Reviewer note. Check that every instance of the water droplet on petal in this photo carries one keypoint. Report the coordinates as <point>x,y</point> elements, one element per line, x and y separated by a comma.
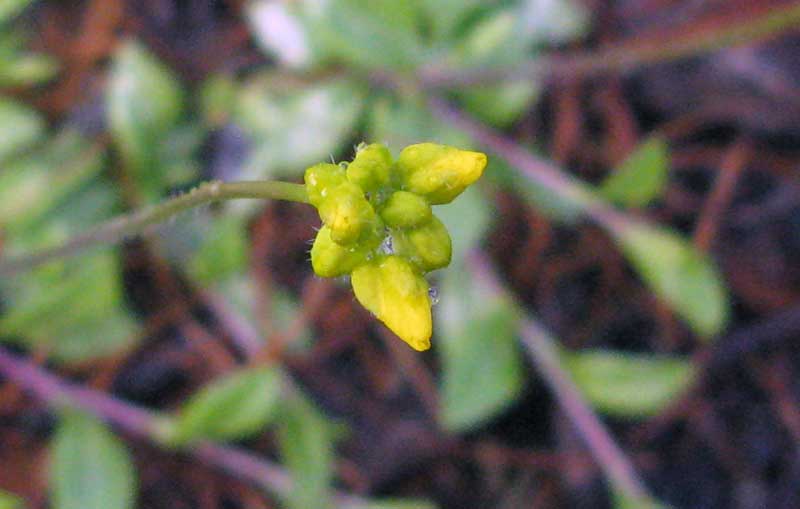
<point>386,246</point>
<point>433,295</point>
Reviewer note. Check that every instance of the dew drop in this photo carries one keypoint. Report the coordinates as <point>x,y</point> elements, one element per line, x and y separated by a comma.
<point>386,246</point>
<point>433,295</point>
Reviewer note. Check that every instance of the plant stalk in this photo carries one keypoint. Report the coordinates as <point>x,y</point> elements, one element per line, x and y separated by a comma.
<point>138,222</point>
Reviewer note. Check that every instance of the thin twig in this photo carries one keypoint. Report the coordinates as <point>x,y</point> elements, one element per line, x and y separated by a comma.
<point>144,424</point>
<point>118,229</point>
<point>746,29</point>
<point>543,351</point>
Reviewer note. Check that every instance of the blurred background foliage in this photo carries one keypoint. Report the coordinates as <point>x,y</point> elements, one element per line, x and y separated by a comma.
<point>140,109</point>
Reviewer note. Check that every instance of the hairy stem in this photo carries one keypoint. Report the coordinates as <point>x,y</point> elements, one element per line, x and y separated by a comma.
<point>117,229</point>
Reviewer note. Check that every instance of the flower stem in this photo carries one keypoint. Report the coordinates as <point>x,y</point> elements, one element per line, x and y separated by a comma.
<point>137,222</point>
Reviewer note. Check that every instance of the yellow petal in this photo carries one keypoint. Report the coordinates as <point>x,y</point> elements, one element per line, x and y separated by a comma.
<point>398,296</point>
<point>438,172</point>
<point>330,259</point>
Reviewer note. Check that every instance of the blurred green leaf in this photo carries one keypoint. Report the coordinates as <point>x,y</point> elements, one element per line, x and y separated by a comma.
<point>90,468</point>
<point>20,128</point>
<point>144,103</point>
<point>553,21</point>
<point>10,8</point>
<point>9,501</point>
<point>624,501</point>
<point>307,450</point>
<point>445,16</point>
<point>218,98</point>
<point>233,407</point>
<point>628,384</point>
<point>499,105</point>
<point>75,307</point>
<point>399,503</point>
<point>399,122</point>
<point>641,177</point>
<point>27,69</point>
<point>223,251</point>
<point>684,277</point>
<point>467,218</point>
<point>291,128</point>
<point>31,186</point>
<point>370,34</point>
<point>281,28</point>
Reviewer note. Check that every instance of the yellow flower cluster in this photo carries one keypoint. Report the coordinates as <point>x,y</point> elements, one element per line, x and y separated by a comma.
<point>378,227</point>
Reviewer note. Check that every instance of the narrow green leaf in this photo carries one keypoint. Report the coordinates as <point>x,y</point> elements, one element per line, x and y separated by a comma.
<point>641,177</point>
<point>230,408</point>
<point>305,440</point>
<point>684,277</point>
<point>20,128</point>
<point>628,384</point>
<point>91,468</point>
<point>144,103</point>
<point>9,501</point>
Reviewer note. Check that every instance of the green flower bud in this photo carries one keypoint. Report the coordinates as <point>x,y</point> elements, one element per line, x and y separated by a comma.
<point>395,293</point>
<point>330,259</point>
<point>320,179</point>
<point>427,246</point>
<point>438,172</point>
<point>405,210</point>
<point>348,213</point>
<point>371,168</point>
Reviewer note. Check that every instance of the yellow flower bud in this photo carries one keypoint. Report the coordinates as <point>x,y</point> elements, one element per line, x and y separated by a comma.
<point>347,212</point>
<point>438,172</point>
<point>320,179</point>
<point>427,246</point>
<point>405,210</point>
<point>370,170</point>
<point>398,296</point>
<point>330,259</point>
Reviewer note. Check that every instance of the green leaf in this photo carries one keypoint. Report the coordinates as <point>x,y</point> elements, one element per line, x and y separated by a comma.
<point>293,128</point>
<point>684,277</point>
<point>624,501</point>
<point>481,362</point>
<point>91,468</point>
<point>73,308</point>
<point>641,177</point>
<point>32,186</point>
<point>20,128</point>
<point>499,105</point>
<point>144,103</point>
<point>627,384</point>
<point>9,501</point>
<point>25,69</point>
<point>305,440</point>
<point>399,503</point>
<point>230,408</point>
<point>368,34</point>
<point>10,8</point>
<point>405,121</point>
<point>223,251</point>
<point>467,218</point>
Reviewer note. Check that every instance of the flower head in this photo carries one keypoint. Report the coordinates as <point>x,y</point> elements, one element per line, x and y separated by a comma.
<point>378,226</point>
